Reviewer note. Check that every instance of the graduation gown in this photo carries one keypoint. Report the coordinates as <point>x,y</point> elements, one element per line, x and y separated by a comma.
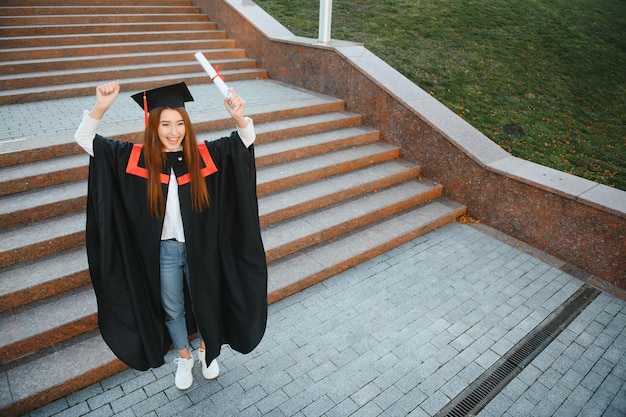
<point>227,264</point>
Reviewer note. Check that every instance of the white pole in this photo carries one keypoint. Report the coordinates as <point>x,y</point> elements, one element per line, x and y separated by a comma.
<point>326,11</point>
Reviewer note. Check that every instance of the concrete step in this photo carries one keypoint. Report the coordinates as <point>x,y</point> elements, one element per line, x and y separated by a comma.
<point>290,174</point>
<point>65,10</point>
<point>43,203</point>
<point>44,277</point>
<point>295,201</point>
<point>306,268</point>
<point>93,19</point>
<point>38,325</point>
<point>30,30</point>
<point>149,69</point>
<point>79,3</point>
<point>106,38</point>
<point>25,208</point>
<point>119,48</point>
<point>62,144</point>
<point>36,175</point>
<point>49,92</point>
<point>325,224</point>
<point>42,238</point>
<point>29,66</point>
<point>299,125</point>
<point>314,144</point>
<point>55,372</point>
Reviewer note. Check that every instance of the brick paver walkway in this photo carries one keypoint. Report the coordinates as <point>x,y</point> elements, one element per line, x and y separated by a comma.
<point>400,335</point>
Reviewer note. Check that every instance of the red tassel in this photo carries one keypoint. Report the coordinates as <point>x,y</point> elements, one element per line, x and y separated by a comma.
<point>145,108</point>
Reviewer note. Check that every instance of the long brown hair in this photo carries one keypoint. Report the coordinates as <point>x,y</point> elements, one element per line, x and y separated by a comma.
<point>155,160</point>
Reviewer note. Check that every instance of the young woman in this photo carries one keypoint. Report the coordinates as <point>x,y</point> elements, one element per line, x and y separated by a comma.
<point>173,237</point>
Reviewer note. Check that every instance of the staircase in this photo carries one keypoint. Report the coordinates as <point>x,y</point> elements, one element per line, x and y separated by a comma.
<point>331,194</point>
<point>57,48</point>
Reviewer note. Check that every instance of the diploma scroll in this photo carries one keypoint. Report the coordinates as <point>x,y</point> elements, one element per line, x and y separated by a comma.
<point>215,77</point>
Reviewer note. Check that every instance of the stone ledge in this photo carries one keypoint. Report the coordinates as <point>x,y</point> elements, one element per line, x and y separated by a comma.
<point>571,218</point>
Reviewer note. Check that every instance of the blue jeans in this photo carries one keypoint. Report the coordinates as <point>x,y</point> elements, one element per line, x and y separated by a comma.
<point>174,269</point>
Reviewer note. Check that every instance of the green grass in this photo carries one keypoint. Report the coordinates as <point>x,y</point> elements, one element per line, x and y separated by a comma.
<point>544,79</point>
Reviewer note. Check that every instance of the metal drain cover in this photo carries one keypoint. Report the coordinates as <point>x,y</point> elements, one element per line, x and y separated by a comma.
<point>493,380</point>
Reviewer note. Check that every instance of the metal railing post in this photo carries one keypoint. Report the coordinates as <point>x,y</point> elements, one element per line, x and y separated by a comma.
<point>326,11</point>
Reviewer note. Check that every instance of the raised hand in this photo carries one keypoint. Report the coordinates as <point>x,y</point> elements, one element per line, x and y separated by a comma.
<point>235,106</point>
<point>105,96</point>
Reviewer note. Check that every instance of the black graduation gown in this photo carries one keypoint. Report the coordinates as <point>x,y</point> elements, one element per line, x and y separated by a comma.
<point>227,264</point>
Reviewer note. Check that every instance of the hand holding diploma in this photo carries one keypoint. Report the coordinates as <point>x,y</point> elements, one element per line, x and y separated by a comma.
<point>235,105</point>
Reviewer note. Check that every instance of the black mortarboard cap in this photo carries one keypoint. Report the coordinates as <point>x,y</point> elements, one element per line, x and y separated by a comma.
<point>174,95</point>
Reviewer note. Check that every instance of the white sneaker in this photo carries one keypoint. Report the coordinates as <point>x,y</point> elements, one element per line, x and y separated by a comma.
<point>184,378</point>
<point>211,371</point>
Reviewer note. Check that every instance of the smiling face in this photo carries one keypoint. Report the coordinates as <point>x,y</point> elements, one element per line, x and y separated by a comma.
<point>171,130</point>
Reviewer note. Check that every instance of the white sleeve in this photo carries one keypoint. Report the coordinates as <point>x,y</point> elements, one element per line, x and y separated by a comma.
<point>247,134</point>
<point>86,132</point>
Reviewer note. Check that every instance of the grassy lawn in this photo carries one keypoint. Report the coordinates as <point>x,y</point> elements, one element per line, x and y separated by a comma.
<point>545,79</point>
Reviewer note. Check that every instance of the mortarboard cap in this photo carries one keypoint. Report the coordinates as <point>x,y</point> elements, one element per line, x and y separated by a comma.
<point>174,95</point>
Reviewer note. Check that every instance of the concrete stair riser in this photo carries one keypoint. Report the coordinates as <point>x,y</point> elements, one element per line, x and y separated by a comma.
<point>136,59</point>
<point>91,361</point>
<point>101,19</point>
<point>40,174</point>
<point>96,75</point>
<point>41,248</point>
<point>11,159</point>
<point>23,95</point>
<point>46,323</point>
<point>106,38</point>
<point>81,3</point>
<point>44,277</point>
<point>73,29</point>
<point>41,31</point>
<point>91,9</point>
<point>299,176</point>
<point>289,204</point>
<point>315,149</point>
<point>295,243</point>
<point>45,52</point>
<point>27,216</point>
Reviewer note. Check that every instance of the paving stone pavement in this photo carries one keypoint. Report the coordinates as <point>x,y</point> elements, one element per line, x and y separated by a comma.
<point>400,335</point>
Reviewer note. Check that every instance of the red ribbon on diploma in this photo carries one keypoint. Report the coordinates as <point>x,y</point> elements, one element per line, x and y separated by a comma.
<point>217,73</point>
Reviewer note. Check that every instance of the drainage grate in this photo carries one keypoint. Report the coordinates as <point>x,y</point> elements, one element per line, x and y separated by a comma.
<point>494,379</point>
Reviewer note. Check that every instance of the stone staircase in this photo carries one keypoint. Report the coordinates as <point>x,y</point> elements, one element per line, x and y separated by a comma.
<point>57,48</point>
<point>331,193</point>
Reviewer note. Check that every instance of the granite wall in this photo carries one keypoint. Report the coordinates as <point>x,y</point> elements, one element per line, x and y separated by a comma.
<point>578,221</point>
